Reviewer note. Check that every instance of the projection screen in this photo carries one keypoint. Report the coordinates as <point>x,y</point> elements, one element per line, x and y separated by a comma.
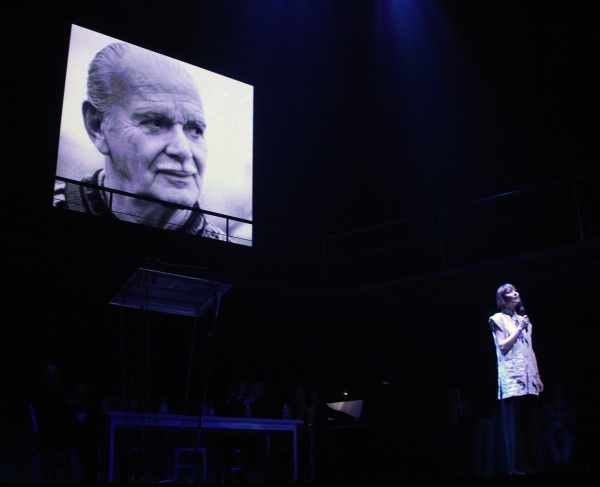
<point>157,128</point>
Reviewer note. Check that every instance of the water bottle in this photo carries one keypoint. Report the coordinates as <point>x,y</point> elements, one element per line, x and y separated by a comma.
<point>104,404</point>
<point>211,410</point>
<point>248,411</point>
<point>163,407</point>
<point>286,412</point>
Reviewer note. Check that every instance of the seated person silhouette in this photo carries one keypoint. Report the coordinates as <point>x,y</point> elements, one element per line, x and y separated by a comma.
<point>244,401</point>
<point>247,400</point>
<point>55,406</point>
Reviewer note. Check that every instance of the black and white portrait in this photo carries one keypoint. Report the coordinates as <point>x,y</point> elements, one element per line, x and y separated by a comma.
<point>148,125</point>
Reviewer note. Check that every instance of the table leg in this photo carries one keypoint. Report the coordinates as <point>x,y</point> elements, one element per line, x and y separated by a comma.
<point>111,458</point>
<point>268,456</point>
<point>295,430</point>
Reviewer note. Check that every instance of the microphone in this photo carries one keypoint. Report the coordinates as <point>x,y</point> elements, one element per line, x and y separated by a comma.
<point>522,313</point>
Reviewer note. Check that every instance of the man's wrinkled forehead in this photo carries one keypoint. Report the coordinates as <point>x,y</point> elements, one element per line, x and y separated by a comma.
<point>143,72</point>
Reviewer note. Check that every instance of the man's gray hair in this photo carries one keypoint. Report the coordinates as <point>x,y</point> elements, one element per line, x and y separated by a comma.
<point>104,82</point>
<point>117,66</point>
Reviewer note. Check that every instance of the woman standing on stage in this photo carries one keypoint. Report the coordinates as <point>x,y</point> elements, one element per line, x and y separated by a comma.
<point>519,383</point>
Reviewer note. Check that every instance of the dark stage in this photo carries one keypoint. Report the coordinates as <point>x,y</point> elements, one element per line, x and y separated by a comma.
<point>409,157</point>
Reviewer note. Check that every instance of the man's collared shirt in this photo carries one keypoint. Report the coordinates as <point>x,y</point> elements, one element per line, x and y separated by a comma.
<point>86,199</point>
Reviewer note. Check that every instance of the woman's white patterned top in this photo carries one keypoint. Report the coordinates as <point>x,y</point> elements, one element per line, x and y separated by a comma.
<point>517,369</point>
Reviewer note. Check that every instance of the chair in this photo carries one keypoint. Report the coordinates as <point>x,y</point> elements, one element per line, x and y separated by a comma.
<point>191,464</point>
<point>52,456</point>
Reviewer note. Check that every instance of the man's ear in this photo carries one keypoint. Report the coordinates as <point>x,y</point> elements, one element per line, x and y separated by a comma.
<point>92,119</point>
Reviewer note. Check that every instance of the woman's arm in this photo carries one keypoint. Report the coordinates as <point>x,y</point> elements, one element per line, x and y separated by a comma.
<point>505,343</point>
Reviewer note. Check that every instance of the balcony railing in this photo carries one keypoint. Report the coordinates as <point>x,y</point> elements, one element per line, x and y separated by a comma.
<point>541,217</point>
<point>233,227</point>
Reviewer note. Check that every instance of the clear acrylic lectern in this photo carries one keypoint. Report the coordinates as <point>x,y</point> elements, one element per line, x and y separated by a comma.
<point>170,293</point>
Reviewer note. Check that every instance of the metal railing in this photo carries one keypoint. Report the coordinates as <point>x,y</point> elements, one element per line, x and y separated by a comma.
<point>541,217</point>
<point>111,192</point>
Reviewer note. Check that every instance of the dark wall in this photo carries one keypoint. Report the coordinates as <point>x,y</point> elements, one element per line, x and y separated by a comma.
<point>354,126</point>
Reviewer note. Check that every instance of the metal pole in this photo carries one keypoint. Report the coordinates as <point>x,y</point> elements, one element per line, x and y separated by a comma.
<point>191,359</point>
<point>227,246</point>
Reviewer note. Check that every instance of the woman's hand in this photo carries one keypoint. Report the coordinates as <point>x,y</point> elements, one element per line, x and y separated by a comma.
<point>540,384</point>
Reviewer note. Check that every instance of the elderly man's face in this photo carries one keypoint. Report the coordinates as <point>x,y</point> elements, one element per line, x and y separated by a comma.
<point>155,138</point>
